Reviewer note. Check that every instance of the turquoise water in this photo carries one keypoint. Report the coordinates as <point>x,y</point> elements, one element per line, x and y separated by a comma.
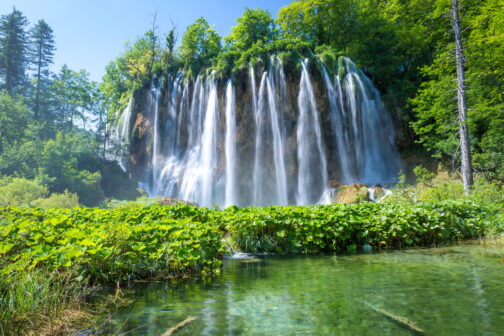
<point>445,291</point>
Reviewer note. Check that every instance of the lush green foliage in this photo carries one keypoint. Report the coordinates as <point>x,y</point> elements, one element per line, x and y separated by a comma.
<point>13,51</point>
<point>121,243</point>
<point>17,191</point>
<point>51,255</point>
<point>108,245</point>
<point>200,45</point>
<point>65,200</point>
<point>431,187</point>
<point>52,126</point>
<point>13,121</point>
<point>20,192</point>
<point>343,226</point>
<point>255,27</point>
<point>434,104</point>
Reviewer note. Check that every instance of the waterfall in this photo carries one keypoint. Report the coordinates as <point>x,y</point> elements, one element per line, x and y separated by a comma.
<point>122,133</point>
<point>257,178</point>
<point>337,118</point>
<point>280,140</point>
<point>312,172</point>
<point>230,145</point>
<point>362,127</point>
<point>195,117</point>
<point>209,145</point>
<point>154,101</point>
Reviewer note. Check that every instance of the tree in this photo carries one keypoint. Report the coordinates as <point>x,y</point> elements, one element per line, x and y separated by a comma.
<point>60,164</point>
<point>140,58</point>
<point>254,26</point>
<point>72,97</point>
<point>13,50</point>
<point>200,46</point>
<point>465,147</point>
<point>330,22</point>
<point>435,105</point>
<point>485,73</point>
<point>42,52</point>
<point>168,58</point>
<point>171,39</point>
<point>13,121</point>
<point>390,40</point>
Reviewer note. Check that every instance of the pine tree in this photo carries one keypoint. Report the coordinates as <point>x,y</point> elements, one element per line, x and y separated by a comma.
<point>42,52</point>
<point>13,50</point>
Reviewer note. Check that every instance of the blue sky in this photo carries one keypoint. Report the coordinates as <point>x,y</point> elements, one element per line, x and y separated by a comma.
<point>90,33</point>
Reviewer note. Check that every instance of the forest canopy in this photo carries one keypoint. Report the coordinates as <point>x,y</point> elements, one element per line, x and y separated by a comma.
<point>53,125</point>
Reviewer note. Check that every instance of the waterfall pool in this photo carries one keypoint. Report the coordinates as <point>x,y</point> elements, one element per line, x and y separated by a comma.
<point>457,290</point>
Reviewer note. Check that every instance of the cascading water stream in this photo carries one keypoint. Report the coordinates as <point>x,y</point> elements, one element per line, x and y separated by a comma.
<point>122,133</point>
<point>312,172</point>
<point>230,147</point>
<point>258,181</point>
<point>278,142</point>
<point>337,118</point>
<point>371,135</point>
<point>226,142</point>
<point>155,96</point>
<point>209,145</point>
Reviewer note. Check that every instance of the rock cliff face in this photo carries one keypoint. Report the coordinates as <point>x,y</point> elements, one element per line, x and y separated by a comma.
<point>330,128</point>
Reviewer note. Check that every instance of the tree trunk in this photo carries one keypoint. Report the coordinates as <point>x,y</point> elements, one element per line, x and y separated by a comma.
<point>466,168</point>
<point>39,74</point>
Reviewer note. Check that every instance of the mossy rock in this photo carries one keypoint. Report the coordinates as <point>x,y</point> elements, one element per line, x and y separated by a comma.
<point>173,201</point>
<point>348,194</point>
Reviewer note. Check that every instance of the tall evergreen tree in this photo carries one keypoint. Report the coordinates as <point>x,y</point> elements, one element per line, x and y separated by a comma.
<point>42,52</point>
<point>13,50</point>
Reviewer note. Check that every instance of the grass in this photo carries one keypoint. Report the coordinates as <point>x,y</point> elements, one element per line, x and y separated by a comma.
<point>39,302</point>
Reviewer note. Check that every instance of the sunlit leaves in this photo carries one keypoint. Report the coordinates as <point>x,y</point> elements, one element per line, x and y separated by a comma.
<point>200,46</point>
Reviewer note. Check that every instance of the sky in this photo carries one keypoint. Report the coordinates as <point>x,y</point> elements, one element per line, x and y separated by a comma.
<point>91,33</point>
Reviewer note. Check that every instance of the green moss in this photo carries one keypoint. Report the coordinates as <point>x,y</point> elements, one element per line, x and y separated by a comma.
<point>342,70</point>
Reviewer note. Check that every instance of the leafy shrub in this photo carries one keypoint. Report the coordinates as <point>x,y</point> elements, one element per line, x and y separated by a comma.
<point>131,242</point>
<point>402,193</point>
<point>443,186</point>
<point>61,162</point>
<point>66,200</point>
<point>140,201</point>
<point>488,193</point>
<point>336,227</point>
<point>20,192</point>
<point>107,245</point>
<point>115,182</point>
